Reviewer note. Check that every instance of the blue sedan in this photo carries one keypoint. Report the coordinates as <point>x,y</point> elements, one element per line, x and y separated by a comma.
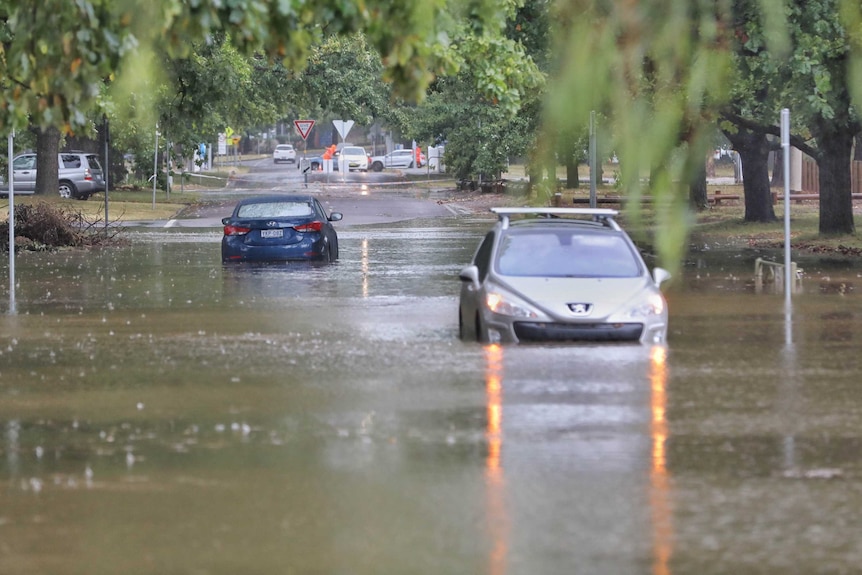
<point>280,228</point>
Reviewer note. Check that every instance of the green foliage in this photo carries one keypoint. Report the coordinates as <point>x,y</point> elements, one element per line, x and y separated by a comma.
<point>486,113</point>
<point>52,78</point>
<point>659,70</point>
<point>55,56</point>
<point>344,77</point>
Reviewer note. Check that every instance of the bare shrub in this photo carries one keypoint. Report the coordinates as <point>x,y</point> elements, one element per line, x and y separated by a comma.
<point>44,226</point>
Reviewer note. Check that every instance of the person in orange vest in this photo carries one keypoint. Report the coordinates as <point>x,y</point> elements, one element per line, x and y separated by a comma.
<point>418,156</point>
<point>328,153</point>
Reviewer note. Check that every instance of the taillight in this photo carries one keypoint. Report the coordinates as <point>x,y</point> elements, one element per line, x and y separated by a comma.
<point>87,174</point>
<point>235,230</point>
<point>310,227</point>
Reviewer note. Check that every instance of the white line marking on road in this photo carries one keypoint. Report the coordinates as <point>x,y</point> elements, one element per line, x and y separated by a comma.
<point>170,223</point>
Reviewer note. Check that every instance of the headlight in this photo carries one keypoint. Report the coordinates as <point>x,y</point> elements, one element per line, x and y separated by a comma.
<point>652,305</point>
<point>506,304</point>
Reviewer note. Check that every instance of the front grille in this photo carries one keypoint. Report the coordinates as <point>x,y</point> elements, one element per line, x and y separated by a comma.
<point>539,332</point>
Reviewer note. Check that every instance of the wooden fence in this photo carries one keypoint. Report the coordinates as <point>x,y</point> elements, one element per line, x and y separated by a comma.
<point>811,184</point>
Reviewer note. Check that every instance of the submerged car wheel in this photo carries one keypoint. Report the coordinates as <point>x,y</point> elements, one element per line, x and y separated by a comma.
<point>68,190</point>
<point>480,335</point>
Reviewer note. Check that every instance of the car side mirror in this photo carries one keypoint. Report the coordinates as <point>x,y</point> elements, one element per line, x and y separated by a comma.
<point>660,275</point>
<point>225,221</point>
<point>335,216</point>
<point>470,274</point>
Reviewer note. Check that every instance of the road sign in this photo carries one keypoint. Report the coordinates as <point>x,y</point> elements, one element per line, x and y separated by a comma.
<point>303,127</point>
<point>343,127</point>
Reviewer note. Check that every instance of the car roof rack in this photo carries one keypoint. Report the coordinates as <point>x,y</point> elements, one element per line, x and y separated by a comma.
<point>603,215</point>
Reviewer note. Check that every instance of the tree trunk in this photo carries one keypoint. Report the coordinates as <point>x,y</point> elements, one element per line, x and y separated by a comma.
<point>836,201</point>
<point>753,149</point>
<point>697,190</point>
<point>572,178</point>
<point>534,171</point>
<point>47,163</point>
<point>571,159</point>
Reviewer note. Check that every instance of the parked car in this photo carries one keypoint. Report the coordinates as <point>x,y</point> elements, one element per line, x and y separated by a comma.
<point>316,162</point>
<point>395,159</point>
<point>354,157</point>
<point>280,228</point>
<point>284,153</point>
<point>569,274</point>
<point>79,175</point>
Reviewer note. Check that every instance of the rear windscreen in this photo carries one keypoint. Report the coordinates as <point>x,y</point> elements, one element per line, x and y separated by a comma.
<point>94,162</point>
<point>274,210</point>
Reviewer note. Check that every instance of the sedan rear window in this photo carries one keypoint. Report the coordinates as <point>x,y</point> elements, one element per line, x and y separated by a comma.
<point>566,254</point>
<point>274,210</point>
<point>353,151</point>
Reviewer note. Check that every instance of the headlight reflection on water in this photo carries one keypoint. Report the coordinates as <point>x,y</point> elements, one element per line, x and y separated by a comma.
<point>497,513</point>
<point>659,478</point>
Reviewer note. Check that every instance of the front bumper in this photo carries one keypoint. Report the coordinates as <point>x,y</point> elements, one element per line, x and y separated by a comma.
<point>560,332</point>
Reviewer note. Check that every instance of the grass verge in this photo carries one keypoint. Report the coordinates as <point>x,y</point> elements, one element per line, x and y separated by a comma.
<point>122,205</point>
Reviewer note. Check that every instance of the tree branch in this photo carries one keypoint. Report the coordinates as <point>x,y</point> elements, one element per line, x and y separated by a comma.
<point>796,141</point>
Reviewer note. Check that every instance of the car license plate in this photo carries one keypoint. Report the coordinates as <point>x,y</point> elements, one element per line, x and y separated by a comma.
<point>272,233</point>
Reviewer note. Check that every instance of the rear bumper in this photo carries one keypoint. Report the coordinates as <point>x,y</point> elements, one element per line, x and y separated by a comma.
<point>234,249</point>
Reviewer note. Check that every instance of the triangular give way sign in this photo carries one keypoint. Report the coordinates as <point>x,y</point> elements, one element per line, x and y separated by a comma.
<point>303,127</point>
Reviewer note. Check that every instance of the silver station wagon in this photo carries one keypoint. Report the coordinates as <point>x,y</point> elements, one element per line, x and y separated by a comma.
<point>79,175</point>
<point>560,275</point>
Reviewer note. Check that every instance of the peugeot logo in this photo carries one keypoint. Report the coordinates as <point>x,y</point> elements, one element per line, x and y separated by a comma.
<point>581,309</point>
<point>271,224</point>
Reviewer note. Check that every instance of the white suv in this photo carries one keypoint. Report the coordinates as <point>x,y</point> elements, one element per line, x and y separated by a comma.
<point>80,175</point>
<point>284,153</point>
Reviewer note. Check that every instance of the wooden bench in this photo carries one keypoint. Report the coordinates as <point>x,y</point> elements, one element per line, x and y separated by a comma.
<point>716,198</point>
<point>801,197</point>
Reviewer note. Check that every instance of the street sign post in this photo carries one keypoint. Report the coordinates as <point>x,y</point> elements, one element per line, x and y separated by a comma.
<point>343,127</point>
<point>303,127</point>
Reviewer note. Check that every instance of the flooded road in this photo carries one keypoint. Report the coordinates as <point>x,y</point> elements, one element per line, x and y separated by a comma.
<point>162,414</point>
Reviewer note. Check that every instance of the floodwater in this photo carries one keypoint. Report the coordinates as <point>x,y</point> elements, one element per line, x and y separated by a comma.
<point>162,414</point>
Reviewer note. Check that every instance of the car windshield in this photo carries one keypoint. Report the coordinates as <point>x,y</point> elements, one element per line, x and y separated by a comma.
<point>274,210</point>
<point>353,152</point>
<point>564,253</point>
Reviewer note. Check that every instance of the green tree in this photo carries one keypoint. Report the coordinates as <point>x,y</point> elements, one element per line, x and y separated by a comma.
<point>811,79</point>
<point>344,77</point>
<point>487,112</point>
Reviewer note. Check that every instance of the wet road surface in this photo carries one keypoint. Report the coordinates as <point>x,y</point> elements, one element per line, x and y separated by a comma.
<point>161,413</point>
